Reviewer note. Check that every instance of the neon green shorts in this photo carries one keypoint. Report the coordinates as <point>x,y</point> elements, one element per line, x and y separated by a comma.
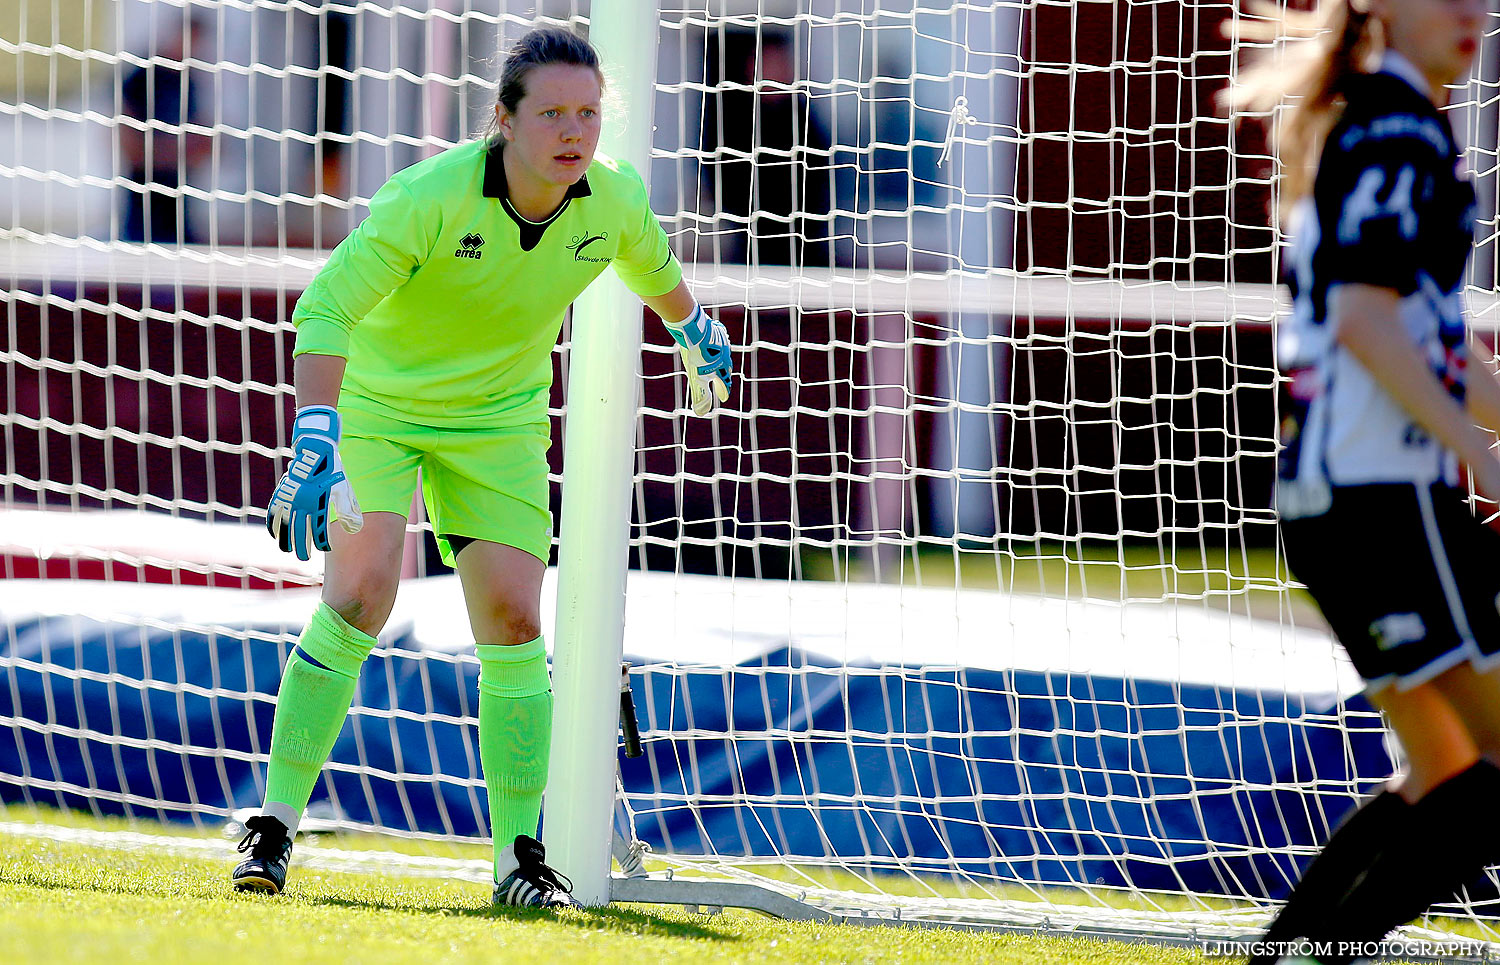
<point>488,484</point>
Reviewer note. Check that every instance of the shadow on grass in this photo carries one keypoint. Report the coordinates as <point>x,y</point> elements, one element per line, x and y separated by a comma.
<point>621,920</point>
<point>624,921</point>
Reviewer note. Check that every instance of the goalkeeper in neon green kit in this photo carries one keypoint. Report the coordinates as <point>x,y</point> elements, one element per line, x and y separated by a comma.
<point>426,342</point>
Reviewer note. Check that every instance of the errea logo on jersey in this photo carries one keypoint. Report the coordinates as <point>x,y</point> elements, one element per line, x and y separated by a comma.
<point>580,245</point>
<point>469,246</point>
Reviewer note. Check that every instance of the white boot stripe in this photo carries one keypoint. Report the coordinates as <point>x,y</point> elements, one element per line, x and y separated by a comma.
<point>518,890</point>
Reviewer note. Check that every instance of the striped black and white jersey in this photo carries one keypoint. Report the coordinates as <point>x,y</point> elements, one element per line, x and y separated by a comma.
<point>1390,207</point>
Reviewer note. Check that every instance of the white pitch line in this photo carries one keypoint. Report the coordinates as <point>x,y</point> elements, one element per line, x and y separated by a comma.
<point>308,856</point>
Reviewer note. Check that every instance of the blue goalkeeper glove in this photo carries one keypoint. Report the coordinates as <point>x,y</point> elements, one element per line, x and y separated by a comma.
<point>312,484</point>
<point>704,344</point>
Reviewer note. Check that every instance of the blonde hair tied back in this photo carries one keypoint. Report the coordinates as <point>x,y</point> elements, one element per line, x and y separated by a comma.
<point>1300,80</point>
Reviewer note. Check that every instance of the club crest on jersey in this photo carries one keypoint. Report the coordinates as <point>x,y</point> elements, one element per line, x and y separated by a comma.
<point>469,245</point>
<point>581,242</point>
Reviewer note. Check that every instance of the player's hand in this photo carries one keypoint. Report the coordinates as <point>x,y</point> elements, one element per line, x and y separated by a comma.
<point>704,344</point>
<point>312,483</point>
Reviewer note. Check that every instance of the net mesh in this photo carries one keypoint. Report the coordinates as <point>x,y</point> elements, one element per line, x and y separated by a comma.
<point>972,593</point>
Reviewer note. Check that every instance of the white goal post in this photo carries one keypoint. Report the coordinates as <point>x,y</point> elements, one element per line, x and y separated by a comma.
<point>593,550</point>
<point>968,608</point>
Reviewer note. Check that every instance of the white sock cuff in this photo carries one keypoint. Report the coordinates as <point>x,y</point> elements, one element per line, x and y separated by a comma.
<point>505,862</point>
<point>284,813</point>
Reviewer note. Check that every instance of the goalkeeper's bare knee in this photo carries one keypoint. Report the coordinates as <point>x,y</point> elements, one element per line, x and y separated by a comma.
<point>505,627</point>
<point>367,613</point>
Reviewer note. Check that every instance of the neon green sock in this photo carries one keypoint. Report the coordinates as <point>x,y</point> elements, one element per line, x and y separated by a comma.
<point>515,737</point>
<point>316,690</point>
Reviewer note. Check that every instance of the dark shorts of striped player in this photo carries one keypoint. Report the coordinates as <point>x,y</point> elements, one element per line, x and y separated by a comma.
<point>1406,576</point>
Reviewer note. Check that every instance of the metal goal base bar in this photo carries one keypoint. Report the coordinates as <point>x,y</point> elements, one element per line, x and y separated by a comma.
<point>710,895</point>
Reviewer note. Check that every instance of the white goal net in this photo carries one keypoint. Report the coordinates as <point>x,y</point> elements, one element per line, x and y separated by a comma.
<point>968,607</point>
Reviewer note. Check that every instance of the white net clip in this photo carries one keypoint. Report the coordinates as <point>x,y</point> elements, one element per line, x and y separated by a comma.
<point>959,116</point>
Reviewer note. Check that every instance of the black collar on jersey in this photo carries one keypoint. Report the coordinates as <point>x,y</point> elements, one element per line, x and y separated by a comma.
<point>495,186</point>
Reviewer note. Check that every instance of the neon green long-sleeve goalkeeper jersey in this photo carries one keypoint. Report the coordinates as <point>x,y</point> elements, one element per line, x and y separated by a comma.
<point>447,303</point>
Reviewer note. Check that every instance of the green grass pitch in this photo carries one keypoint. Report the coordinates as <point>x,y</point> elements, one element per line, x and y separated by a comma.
<point>65,902</point>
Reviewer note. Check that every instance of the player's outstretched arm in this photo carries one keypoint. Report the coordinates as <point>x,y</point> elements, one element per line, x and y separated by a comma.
<point>703,342</point>
<point>314,483</point>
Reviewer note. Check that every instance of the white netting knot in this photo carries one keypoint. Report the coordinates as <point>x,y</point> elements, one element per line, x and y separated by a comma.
<point>959,116</point>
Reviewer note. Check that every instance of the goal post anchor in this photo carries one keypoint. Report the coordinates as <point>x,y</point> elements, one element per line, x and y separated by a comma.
<point>599,463</point>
